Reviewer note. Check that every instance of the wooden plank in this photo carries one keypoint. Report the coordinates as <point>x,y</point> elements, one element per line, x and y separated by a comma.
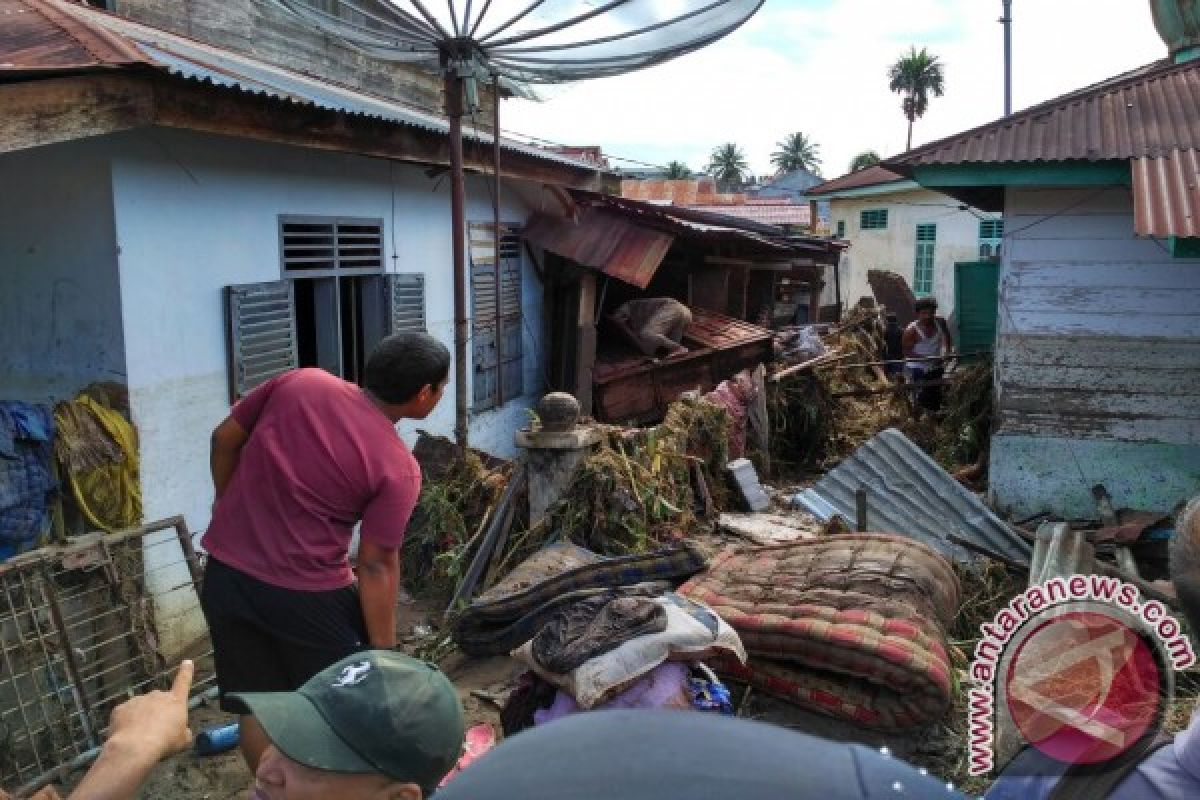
<point>185,104</point>
<point>1111,428</point>
<point>1027,275</point>
<point>38,113</point>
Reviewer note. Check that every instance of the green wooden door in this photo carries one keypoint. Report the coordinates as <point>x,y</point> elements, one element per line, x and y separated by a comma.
<point>976,301</point>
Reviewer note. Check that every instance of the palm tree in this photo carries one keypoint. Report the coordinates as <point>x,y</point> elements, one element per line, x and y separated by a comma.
<point>915,75</point>
<point>727,164</point>
<point>795,152</point>
<point>677,170</point>
<point>867,158</point>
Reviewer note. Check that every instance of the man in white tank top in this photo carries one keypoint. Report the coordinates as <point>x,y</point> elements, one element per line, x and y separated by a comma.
<point>926,341</point>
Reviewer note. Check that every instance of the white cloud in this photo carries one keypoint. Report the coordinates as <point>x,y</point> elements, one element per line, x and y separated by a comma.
<point>819,66</point>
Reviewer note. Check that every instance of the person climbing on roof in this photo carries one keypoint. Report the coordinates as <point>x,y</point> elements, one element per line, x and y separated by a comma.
<point>655,324</point>
<point>297,463</point>
<point>926,342</point>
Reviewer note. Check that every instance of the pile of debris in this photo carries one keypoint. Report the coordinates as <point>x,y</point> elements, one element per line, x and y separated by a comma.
<point>824,408</point>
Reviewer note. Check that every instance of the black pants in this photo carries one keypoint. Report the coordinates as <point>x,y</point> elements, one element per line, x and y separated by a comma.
<point>269,639</point>
<point>929,398</point>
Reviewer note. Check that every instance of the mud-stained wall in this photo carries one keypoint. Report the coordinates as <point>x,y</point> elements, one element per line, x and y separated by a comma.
<point>1098,358</point>
<point>60,304</point>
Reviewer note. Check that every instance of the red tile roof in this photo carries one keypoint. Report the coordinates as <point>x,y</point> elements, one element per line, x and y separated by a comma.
<point>769,214</point>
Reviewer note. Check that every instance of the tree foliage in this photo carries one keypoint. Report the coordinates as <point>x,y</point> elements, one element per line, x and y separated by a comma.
<point>867,158</point>
<point>727,164</point>
<point>916,76</point>
<point>677,170</point>
<point>795,152</point>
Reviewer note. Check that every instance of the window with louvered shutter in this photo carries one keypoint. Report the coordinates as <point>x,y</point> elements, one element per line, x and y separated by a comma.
<point>875,219</point>
<point>315,246</point>
<point>406,297</point>
<point>496,319</point>
<point>343,304</point>
<point>991,238</point>
<point>262,333</point>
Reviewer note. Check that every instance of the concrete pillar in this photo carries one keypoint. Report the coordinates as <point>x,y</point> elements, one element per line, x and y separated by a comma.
<point>554,450</point>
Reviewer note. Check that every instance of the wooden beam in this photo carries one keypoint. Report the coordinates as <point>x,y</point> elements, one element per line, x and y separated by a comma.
<point>585,355</point>
<point>53,110</point>
<point>228,112</point>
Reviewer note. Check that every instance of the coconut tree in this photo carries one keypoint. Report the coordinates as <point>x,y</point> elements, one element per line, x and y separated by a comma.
<point>915,76</point>
<point>795,152</point>
<point>867,158</point>
<point>677,170</point>
<point>727,164</point>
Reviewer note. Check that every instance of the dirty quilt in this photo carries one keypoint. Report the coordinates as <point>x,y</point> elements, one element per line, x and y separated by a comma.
<point>851,625</point>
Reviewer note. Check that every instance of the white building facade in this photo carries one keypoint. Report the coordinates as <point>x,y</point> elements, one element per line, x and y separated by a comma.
<point>897,226</point>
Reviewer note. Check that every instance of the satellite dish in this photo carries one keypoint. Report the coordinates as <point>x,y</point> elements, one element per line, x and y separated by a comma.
<point>531,41</point>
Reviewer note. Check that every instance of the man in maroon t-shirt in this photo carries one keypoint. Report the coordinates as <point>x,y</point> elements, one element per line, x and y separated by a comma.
<point>296,464</point>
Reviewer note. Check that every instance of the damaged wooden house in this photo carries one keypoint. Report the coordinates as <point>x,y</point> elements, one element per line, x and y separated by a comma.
<point>738,278</point>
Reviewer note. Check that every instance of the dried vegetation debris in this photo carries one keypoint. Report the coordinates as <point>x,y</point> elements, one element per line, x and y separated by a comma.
<point>640,489</point>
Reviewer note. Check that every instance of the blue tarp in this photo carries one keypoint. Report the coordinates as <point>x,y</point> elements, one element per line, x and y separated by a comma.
<point>26,480</point>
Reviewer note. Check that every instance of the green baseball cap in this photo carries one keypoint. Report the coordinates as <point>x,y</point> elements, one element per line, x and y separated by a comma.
<point>374,712</point>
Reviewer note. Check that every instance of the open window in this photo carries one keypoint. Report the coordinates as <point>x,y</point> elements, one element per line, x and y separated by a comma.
<point>332,307</point>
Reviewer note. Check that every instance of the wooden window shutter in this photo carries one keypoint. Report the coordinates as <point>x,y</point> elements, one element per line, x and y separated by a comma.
<point>406,299</point>
<point>496,320</point>
<point>260,320</point>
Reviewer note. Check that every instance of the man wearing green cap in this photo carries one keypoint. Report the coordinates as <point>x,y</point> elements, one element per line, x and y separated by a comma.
<point>374,726</point>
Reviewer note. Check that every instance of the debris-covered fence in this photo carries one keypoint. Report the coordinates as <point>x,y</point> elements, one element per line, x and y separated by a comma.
<point>79,635</point>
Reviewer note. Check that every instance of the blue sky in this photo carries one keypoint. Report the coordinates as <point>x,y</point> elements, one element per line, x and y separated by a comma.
<point>819,66</point>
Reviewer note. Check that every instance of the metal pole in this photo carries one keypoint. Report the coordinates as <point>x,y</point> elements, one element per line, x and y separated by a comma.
<point>496,243</point>
<point>1006,21</point>
<point>454,110</point>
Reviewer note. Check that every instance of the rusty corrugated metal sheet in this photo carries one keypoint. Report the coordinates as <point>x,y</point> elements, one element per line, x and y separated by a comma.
<point>859,179</point>
<point>1148,112</point>
<point>605,241</point>
<point>1166,194</point>
<point>41,37</point>
<point>892,291</point>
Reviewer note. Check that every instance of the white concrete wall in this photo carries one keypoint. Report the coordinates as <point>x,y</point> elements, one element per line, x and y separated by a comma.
<point>1098,358</point>
<point>60,305</point>
<point>895,248</point>
<point>195,213</point>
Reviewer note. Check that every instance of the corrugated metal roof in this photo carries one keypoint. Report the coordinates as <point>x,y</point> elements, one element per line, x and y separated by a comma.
<point>908,493</point>
<point>605,241</point>
<point>870,176</point>
<point>1166,194</point>
<point>703,223</point>
<point>40,36</point>
<point>37,37</point>
<point>1148,112</point>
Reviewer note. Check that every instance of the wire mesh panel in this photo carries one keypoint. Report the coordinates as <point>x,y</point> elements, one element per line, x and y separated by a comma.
<point>540,41</point>
<point>79,634</point>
